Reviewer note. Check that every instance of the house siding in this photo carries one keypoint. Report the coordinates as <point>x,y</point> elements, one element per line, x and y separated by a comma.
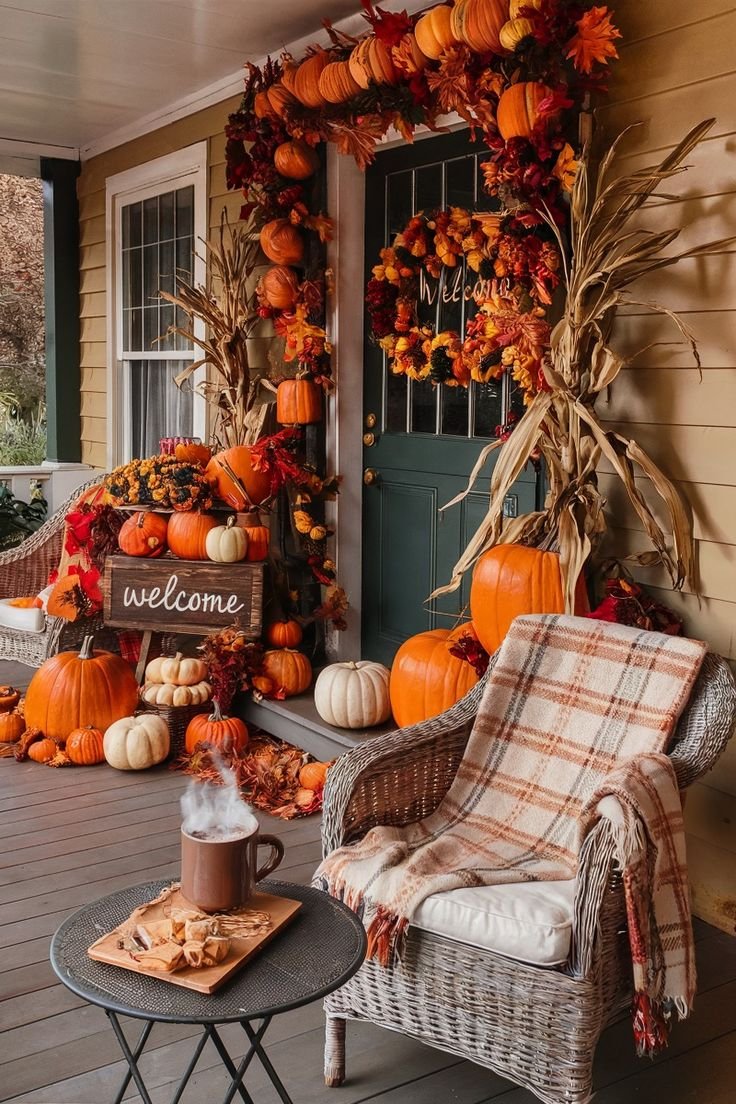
<point>674,71</point>
<point>204,125</point>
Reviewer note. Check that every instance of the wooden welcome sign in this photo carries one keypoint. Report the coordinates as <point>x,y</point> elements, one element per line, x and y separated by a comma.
<point>183,596</point>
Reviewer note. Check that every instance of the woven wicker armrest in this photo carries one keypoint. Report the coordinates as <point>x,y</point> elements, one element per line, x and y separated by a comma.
<point>707,722</point>
<point>398,778</point>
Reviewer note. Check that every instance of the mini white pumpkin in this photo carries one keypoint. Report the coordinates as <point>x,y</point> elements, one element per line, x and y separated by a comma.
<point>227,543</point>
<point>167,693</point>
<point>136,743</point>
<point>181,670</point>
<point>353,694</point>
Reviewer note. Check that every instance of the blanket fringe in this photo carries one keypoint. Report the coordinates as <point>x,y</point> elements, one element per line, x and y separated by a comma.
<point>385,936</point>
<point>651,1026</point>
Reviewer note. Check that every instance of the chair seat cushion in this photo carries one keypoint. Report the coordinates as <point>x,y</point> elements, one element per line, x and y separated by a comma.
<point>528,921</point>
<point>15,617</point>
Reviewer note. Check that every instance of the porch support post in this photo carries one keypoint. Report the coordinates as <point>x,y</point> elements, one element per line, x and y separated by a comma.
<point>61,279</point>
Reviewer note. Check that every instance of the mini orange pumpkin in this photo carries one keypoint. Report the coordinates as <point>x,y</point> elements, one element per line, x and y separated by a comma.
<point>282,243</point>
<point>337,84</point>
<point>193,453</point>
<point>517,111</point>
<point>259,538</point>
<point>187,534</point>
<point>295,160</point>
<point>144,534</point>
<point>434,32</point>
<point>43,750</point>
<point>84,746</point>
<point>227,734</point>
<point>280,287</point>
<point>9,698</point>
<point>234,479</point>
<point>284,634</point>
<point>289,670</point>
<point>298,402</point>
<point>12,727</point>
<point>312,775</point>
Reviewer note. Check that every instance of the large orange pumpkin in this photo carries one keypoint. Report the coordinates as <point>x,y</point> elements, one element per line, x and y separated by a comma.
<point>370,63</point>
<point>478,23</point>
<point>73,689</point>
<point>187,534</point>
<point>84,746</point>
<point>144,534</point>
<point>280,287</point>
<point>234,479</point>
<point>305,81</point>
<point>337,84</point>
<point>426,679</point>
<point>282,243</point>
<point>288,670</point>
<point>434,33</point>
<point>284,634</point>
<point>298,402</point>
<point>517,112</point>
<point>224,733</point>
<point>510,580</point>
<point>295,160</point>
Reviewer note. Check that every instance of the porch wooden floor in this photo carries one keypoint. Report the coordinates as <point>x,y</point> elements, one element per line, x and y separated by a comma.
<point>72,836</point>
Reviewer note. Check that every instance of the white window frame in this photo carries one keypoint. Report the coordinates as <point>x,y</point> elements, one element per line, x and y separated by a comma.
<point>180,169</point>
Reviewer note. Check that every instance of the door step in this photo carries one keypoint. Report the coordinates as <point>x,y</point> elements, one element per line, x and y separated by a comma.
<point>296,720</point>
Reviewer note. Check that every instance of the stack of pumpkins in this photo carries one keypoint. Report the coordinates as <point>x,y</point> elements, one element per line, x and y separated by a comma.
<point>196,535</point>
<point>286,670</point>
<point>319,80</point>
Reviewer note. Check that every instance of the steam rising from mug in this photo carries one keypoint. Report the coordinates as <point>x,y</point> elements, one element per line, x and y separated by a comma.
<point>213,810</point>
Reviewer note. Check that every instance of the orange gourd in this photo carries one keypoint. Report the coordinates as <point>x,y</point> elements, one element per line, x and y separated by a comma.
<point>9,698</point>
<point>84,746</point>
<point>434,33</point>
<point>337,84</point>
<point>187,534</point>
<point>514,32</point>
<point>295,160</point>
<point>227,734</point>
<point>12,727</point>
<point>43,750</point>
<point>426,679</point>
<point>510,580</point>
<point>478,23</point>
<point>289,670</point>
<point>282,243</point>
<point>298,402</point>
<point>234,479</point>
<point>304,83</point>
<point>144,534</point>
<point>259,538</point>
<point>312,775</point>
<point>517,111</point>
<point>193,453</point>
<point>370,63</point>
<point>277,100</point>
<point>73,689</point>
<point>280,287</point>
<point>284,634</point>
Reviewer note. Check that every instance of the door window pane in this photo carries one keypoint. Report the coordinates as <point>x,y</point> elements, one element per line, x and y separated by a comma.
<point>428,188</point>
<point>395,418</point>
<point>423,407</point>
<point>454,415</point>
<point>400,201</point>
<point>488,403</point>
<point>460,175</point>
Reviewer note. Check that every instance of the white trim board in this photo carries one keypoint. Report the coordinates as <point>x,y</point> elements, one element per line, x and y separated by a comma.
<point>223,89</point>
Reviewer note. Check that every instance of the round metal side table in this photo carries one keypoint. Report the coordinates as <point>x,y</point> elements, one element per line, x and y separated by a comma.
<point>319,951</point>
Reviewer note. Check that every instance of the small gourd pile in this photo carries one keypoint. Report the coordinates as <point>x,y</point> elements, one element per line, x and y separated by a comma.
<point>175,681</point>
<point>286,671</point>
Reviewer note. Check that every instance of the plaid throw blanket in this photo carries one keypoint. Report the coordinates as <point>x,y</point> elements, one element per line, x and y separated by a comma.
<point>568,701</point>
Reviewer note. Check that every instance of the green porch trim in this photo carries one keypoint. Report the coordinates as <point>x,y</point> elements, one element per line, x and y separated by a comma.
<point>61,279</point>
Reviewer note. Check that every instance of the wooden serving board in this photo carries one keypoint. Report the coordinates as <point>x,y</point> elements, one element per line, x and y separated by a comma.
<point>208,978</point>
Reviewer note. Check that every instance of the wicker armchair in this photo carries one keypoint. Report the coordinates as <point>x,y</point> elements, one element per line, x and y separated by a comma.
<point>537,1026</point>
<point>25,570</point>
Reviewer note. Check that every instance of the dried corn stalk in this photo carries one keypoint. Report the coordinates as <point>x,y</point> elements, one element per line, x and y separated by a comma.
<point>609,253</point>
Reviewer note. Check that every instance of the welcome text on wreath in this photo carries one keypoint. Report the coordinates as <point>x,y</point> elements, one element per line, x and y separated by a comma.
<point>185,596</point>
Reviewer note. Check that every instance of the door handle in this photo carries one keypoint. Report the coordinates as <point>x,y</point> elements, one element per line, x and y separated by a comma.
<point>371,476</point>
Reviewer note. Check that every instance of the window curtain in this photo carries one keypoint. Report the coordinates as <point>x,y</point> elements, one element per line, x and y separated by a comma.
<point>160,408</point>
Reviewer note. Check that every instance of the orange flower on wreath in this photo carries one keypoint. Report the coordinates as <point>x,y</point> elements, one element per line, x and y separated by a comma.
<point>594,41</point>
<point>566,167</point>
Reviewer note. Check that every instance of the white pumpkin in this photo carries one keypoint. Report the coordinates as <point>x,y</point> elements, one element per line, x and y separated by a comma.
<point>226,543</point>
<point>153,669</point>
<point>181,670</point>
<point>353,695</point>
<point>136,743</point>
<point>167,693</point>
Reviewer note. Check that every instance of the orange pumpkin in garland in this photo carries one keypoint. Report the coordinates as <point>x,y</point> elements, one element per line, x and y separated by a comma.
<point>337,84</point>
<point>282,243</point>
<point>295,160</point>
<point>280,287</point>
<point>226,734</point>
<point>298,402</point>
<point>517,112</point>
<point>305,81</point>
<point>144,534</point>
<point>478,23</point>
<point>434,31</point>
<point>370,63</point>
<point>187,534</point>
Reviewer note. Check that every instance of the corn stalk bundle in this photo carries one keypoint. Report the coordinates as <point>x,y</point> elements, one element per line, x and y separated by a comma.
<point>608,253</point>
<point>228,308</point>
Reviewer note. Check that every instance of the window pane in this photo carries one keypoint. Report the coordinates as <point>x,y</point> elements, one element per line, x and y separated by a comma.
<point>150,274</point>
<point>455,411</point>
<point>166,262</point>
<point>131,225</point>
<point>395,402</point>
<point>428,185</point>
<point>159,407</point>
<point>460,182</point>
<point>488,408</point>
<point>400,202</point>
<point>423,407</point>
<point>151,328</point>
<point>135,342</point>
<point>166,319</point>
<point>185,212</point>
<point>150,220</point>
<point>184,258</point>
<point>166,216</point>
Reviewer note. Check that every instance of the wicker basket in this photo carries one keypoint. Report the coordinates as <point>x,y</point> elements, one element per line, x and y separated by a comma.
<point>177,718</point>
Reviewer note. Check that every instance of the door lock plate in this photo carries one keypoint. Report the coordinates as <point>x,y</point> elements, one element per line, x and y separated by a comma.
<point>369,440</point>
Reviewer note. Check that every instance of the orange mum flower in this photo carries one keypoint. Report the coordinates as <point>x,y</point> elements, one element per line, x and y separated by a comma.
<point>594,40</point>
<point>566,167</point>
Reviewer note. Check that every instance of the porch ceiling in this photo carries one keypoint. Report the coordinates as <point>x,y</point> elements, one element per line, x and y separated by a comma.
<point>72,71</point>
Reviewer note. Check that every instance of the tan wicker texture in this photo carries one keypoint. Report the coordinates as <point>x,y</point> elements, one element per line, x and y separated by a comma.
<point>536,1026</point>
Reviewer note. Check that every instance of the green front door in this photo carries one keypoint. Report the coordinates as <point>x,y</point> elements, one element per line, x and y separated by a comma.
<point>422,441</point>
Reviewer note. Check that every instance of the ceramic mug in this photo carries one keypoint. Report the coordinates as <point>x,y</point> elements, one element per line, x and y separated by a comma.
<point>219,875</point>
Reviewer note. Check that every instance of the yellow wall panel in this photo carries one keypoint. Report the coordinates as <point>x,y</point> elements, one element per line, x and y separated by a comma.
<point>91,280</point>
<point>672,396</point>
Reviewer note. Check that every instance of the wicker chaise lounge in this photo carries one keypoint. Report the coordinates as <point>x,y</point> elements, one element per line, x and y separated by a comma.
<point>537,1025</point>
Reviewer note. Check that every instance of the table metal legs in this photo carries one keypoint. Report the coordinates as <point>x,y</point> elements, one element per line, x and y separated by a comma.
<point>209,1031</point>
